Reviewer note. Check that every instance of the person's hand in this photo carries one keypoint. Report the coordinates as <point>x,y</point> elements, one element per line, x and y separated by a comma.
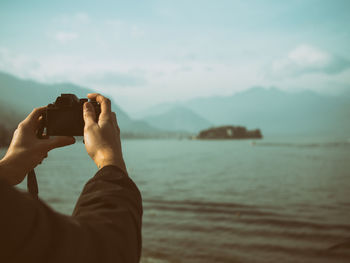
<point>102,138</point>
<point>26,151</point>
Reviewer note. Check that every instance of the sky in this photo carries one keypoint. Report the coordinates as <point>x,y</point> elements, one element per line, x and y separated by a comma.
<point>141,53</point>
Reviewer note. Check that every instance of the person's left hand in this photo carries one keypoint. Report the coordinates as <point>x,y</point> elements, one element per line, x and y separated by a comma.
<point>26,151</point>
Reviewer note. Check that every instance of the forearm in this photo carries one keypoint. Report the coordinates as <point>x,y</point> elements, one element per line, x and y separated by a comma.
<point>25,226</point>
<point>111,200</point>
<point>6,172</point>
<point>105,226</point>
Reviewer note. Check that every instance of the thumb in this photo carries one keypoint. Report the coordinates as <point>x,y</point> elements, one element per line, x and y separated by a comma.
<point>89,114</point>
<point>59,141</point>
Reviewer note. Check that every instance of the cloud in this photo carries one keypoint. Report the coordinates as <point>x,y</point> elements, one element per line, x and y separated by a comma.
<point>306,59</point>
<point>73,19</point>
<point>134,84</point>
<point>82,18</point>
<point>123,29</point>
<point>64,37</point>
<point>64,68</point>
<point>120,79</point>
<point>20,65</point>
<point>137,32</point>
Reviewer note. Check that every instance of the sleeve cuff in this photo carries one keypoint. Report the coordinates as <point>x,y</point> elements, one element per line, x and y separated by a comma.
<point>111,170</point>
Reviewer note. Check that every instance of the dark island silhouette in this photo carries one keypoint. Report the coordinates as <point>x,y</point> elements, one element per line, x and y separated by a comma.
<point>229,132</point>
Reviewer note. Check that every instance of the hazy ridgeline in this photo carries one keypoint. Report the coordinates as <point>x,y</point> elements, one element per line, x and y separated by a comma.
<point>19,97</point>
<point>273,111</point>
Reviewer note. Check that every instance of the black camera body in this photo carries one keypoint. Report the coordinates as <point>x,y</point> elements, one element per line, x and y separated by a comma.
<point>65,116</point>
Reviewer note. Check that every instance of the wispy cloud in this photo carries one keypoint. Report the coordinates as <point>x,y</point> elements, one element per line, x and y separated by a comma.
<point>73,19</point>
<point>306,59</point>
<point>20,65</point>
<point>65,37</point>
<point>63,68</point>
<point>81,17</point>
<point>137,32</point>
<point>116,79</point>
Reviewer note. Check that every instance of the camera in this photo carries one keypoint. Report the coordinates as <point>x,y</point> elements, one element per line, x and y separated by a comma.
<point>65,116</point>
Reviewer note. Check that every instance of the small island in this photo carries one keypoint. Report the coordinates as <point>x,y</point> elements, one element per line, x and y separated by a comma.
<point>230,132</point>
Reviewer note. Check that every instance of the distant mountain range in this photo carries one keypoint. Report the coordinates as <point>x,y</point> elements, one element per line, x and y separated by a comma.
<point>178,119</point>
<point>272,110</point>
<point>19,97</point>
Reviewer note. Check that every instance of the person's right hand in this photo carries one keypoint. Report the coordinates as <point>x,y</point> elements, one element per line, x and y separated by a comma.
<point>102,138</point>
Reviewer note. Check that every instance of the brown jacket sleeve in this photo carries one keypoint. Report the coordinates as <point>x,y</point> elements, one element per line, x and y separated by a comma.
<point>105,225</point>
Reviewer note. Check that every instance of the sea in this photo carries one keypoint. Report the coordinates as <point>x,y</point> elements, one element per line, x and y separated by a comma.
<point>279,199</point>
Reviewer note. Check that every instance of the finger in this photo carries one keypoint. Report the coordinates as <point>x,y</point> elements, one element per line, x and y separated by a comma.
<point>89,114</point>
<point>105,105</point>
<point>39,127</point>
<point>59,141</point>
<point>115,122</point>
<point>114,118</point>
<point>40,119</point>
<point>32,118</point>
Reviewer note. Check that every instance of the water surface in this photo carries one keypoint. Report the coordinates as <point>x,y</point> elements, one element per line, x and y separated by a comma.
<point>276,200</point>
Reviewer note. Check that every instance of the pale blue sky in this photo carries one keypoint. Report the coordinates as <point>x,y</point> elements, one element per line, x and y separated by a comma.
<point>145,52</point>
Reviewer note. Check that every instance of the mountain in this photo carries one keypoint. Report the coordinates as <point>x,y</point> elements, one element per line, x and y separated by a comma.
<point>275,111</point>
<point>178,119</point>
<point>272,110</point>
<point>157,109</point>
<point>19,97</point>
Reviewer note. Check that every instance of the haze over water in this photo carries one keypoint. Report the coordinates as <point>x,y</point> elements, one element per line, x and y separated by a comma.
<point>276,200</point>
